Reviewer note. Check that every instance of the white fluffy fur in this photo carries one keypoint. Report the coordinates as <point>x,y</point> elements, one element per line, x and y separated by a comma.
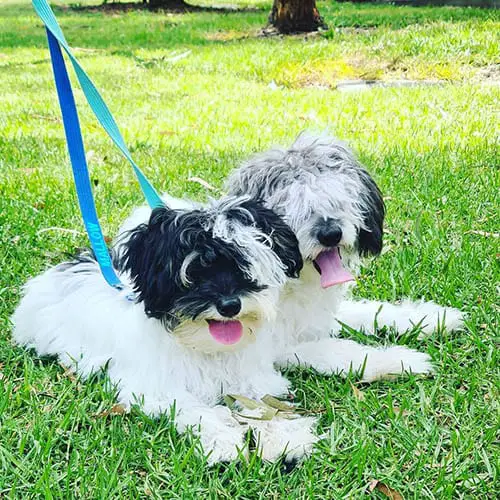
<point>88,326</point>
<point>318,176</point>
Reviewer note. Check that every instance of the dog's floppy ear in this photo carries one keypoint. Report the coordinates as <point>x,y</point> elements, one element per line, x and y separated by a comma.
<point>284,242</point>
<point>370,238</point>
<point>152,256</point>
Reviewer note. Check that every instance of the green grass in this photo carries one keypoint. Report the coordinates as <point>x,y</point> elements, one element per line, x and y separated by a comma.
<point>433,151</point>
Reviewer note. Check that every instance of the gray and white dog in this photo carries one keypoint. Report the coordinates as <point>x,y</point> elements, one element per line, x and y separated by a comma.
<point>218,308</point>
<point>336,210</point>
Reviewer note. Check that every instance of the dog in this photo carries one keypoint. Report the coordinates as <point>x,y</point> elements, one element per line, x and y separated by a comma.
<point>199,284</point>
<point>337,212</point>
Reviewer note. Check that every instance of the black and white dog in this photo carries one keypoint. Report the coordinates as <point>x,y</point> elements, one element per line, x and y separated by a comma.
<point>205,281</point>
<point>217,309</point>
<point>337,212</point>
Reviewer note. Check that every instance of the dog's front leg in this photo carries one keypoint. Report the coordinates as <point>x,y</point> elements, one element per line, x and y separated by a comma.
<point>222,438</point>
<point>368,315</point>
<point>340,356</point>
<point>292,439</point>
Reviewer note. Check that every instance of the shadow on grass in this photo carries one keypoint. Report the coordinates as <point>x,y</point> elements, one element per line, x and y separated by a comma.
<point>134,26</point>
<point>131,29</point>
<point>175,7</point>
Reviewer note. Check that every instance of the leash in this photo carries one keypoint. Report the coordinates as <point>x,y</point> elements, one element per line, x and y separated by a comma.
<point>74,139</point>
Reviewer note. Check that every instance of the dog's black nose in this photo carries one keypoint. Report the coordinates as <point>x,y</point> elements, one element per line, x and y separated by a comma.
<point>229,306</point>
<point>330,233</point>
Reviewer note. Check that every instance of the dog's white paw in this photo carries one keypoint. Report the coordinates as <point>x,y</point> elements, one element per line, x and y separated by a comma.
<point>432,317</point>
<point>444,317</point>
<point>394,361</point>
<point>292,439</point>
<point>221,436</point>
<point>226,445</point>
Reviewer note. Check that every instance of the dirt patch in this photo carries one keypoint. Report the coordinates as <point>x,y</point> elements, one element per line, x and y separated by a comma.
<point>489,74</point>
<point>359,72</point>
<point>359,85</point>
<point>326,73</point>
<point>229,36</point>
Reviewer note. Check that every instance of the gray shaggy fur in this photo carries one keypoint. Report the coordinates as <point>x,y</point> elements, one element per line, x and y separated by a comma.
<point>317,178</point>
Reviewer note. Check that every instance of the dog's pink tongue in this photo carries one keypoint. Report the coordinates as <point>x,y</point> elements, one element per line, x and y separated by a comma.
<point>225,332</point>
<point>332,270</point>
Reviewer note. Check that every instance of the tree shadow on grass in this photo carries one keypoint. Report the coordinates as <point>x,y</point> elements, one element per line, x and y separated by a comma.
<point>90,28</point>
<point>174,7</point>
<point>86,26</point>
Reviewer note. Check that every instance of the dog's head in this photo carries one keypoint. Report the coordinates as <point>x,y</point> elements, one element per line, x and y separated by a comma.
<point>211,275</point>
<point>327,198</point>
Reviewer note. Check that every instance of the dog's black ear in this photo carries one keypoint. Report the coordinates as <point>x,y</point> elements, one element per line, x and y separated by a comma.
<point>370,238</point>
<point>153,256</point>
<point>284,242</point>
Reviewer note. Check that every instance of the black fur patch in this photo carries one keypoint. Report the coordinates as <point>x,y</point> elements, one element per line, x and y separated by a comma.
<point>155,252</point>
<point>370,238</point>
<point>283,239</point>
<point>84,257</point>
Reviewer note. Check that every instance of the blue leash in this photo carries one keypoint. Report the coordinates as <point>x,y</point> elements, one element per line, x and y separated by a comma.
<point>74,140</point>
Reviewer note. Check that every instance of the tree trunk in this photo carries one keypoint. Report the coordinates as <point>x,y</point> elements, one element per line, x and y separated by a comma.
<point>295,16</point>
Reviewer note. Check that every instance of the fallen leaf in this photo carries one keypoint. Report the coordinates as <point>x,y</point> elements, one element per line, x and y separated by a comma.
<point>359,395</point>
<point>179,56</point>
<point>484,233</point>
<point>204,183</point>
<point>399,411</point>
<point>27,170</point>
<point>386,249</point>
<point>116,409</point>
<point>60,229</point>
<point>230,399</point>
<point>69,374</point>
<point>248,408</point>
<point>87,50</point>
<point>277,403</point>
<point>266,409</point>
<point>46,117</point>
<point>384,489</point>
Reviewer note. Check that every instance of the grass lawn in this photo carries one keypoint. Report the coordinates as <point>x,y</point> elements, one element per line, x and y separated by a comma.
<point>193,94</point>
